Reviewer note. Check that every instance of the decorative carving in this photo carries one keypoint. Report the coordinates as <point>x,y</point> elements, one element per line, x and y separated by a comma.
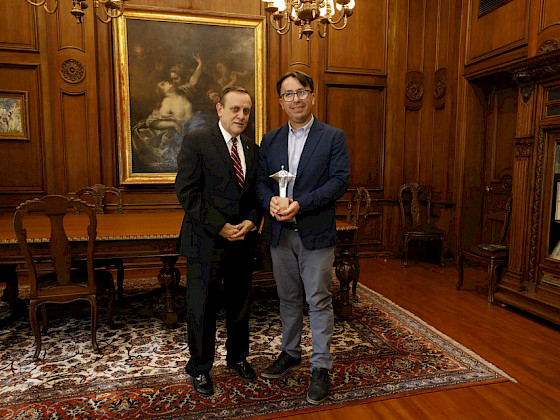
<point>72,71</point>
<point>440,87</point>
<point>530,74</point>
<point>548,46</point>
<point>524,147</point>
<point>507,182</point>
<point>414,90</point>
<point>536,209</point>
<point>527,91</point>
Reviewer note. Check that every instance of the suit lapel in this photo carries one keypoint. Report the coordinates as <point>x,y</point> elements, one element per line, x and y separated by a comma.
<point>221,148</point>
<point>281,152</point>
<point>313,140</point>
<point>247,151</point>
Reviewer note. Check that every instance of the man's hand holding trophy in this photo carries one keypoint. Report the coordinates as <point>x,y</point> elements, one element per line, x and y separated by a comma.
<point>283,177</point>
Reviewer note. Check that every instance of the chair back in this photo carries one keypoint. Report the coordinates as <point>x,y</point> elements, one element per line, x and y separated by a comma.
<point>505,226</point>
<point>357,213</point>
<point>497,207</point>
<point>418,207</point>
<point>55,208</point>
<point>97,195</point>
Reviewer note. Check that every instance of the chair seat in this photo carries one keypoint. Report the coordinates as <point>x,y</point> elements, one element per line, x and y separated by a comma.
<point>493,256</point>
<point>425,230</point>
<point>79,287</point>
<point>485,252</point>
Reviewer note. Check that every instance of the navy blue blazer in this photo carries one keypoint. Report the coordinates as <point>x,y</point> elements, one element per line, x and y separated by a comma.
<point>322,178</point>
<point>208,191</point>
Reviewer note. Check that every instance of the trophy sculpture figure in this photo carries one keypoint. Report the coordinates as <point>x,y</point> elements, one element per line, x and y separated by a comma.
<point>283,177</point>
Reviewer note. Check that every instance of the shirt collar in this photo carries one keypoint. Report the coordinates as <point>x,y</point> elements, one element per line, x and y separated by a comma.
<point>227,137</point>
<point>305,128</point>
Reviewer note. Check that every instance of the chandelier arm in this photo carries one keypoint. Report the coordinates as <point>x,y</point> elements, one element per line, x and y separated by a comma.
<point>339,28</point>
<point>282,30</point>
<point>38,4</point>
<point>107,20</point>
<point>45,5</point>
<point>323,33</point>
<point>54,9</point>
<point>109,12</point>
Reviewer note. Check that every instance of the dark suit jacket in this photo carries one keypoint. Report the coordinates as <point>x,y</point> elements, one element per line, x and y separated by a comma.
<point>322,178</point>
<point>208,191</point>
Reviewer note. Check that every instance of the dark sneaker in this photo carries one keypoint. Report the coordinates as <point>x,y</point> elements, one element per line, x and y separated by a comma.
<point>319,388</point>
<point>282,365</point>
<point>243,369</point>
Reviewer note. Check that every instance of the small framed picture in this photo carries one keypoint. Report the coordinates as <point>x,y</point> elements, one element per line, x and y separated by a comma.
<point>14,120</point>
<point>557,212</point>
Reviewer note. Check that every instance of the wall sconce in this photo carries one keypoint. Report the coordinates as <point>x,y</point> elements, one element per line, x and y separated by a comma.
<point>302,12</point>
<point>112,9</point>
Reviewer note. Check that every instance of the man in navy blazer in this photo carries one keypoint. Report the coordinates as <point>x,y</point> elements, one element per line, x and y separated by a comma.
<point>302,236</point>
<point>218,234</point>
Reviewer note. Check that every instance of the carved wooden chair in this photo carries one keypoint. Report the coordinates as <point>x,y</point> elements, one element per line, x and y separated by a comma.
<point>63,284</point>
<point>357,213</point>
<point>492,255</point>
<point>415,201</point>
<point>96,195</point>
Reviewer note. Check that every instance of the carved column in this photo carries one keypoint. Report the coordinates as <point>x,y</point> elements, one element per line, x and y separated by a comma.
<point>522,189</point>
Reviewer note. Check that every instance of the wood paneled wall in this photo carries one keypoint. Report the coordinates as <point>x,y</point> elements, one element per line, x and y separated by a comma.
<point>410,82</point>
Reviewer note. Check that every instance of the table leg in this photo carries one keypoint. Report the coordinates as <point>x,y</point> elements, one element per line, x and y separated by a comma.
<point>346,271</point>
<point>168,278</point>
<point>9,275</point>
<point>460,271</point>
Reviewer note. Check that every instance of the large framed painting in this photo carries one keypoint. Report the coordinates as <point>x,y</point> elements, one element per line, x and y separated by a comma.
<point>14,119</point>
<point>169,69</point>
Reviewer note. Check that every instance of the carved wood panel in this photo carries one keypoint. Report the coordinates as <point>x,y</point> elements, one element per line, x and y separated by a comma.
<point>486,41</point>
<point>364,128</point>
<point>22,163</point>
<point>19,27</point>
<point>364,41</point>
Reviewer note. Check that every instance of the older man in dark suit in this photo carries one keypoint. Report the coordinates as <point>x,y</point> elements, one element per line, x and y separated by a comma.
<point>303,235</point>
<point>215,185</point>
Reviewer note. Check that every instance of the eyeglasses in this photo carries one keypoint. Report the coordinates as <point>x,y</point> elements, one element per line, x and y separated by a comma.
<point>301,94</point>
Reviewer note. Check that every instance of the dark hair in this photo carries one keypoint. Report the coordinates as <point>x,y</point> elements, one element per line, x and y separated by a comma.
<point>231,89</point>
<point>303,78</point>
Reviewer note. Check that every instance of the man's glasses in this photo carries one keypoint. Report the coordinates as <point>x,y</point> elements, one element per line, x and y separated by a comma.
<point>301,94</point>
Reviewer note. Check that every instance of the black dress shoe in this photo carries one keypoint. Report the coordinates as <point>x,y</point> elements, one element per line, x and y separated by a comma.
<point>243,369</point>
<point>282,365</point>
<point>203,384</point>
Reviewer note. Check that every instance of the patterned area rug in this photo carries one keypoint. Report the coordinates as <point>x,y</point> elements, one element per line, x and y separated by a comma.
<point>381,351</point>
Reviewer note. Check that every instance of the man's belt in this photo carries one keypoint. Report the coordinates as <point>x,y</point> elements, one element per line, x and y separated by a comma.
<point>290,226</point>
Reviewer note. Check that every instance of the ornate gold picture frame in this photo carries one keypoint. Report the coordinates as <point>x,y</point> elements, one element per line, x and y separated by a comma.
<point>169,69</point>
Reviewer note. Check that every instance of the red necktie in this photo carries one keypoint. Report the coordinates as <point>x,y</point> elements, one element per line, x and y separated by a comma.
<point>237,163</point>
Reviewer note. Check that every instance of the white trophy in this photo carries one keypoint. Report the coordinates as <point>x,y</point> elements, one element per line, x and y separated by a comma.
<point>283,177</point>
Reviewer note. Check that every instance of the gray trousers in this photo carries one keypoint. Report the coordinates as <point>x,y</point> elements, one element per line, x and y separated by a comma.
<point>297,269</point>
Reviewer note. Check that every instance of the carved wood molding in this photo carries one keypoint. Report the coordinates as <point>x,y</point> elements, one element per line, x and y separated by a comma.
<point>548,46</point>
<point>524,147</point>
<point>536,217</point>
<point>538,67</point>
<point>414,90</point>
<point>534,69</point>
<point>72,71</point>
<point>440,87</point>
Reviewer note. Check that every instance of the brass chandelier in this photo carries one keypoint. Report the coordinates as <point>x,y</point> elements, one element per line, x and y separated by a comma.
<point>111,9</point>
<point>303,12</point>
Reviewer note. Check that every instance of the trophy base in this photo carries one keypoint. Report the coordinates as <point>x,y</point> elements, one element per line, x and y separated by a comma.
<point>283,202</point>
